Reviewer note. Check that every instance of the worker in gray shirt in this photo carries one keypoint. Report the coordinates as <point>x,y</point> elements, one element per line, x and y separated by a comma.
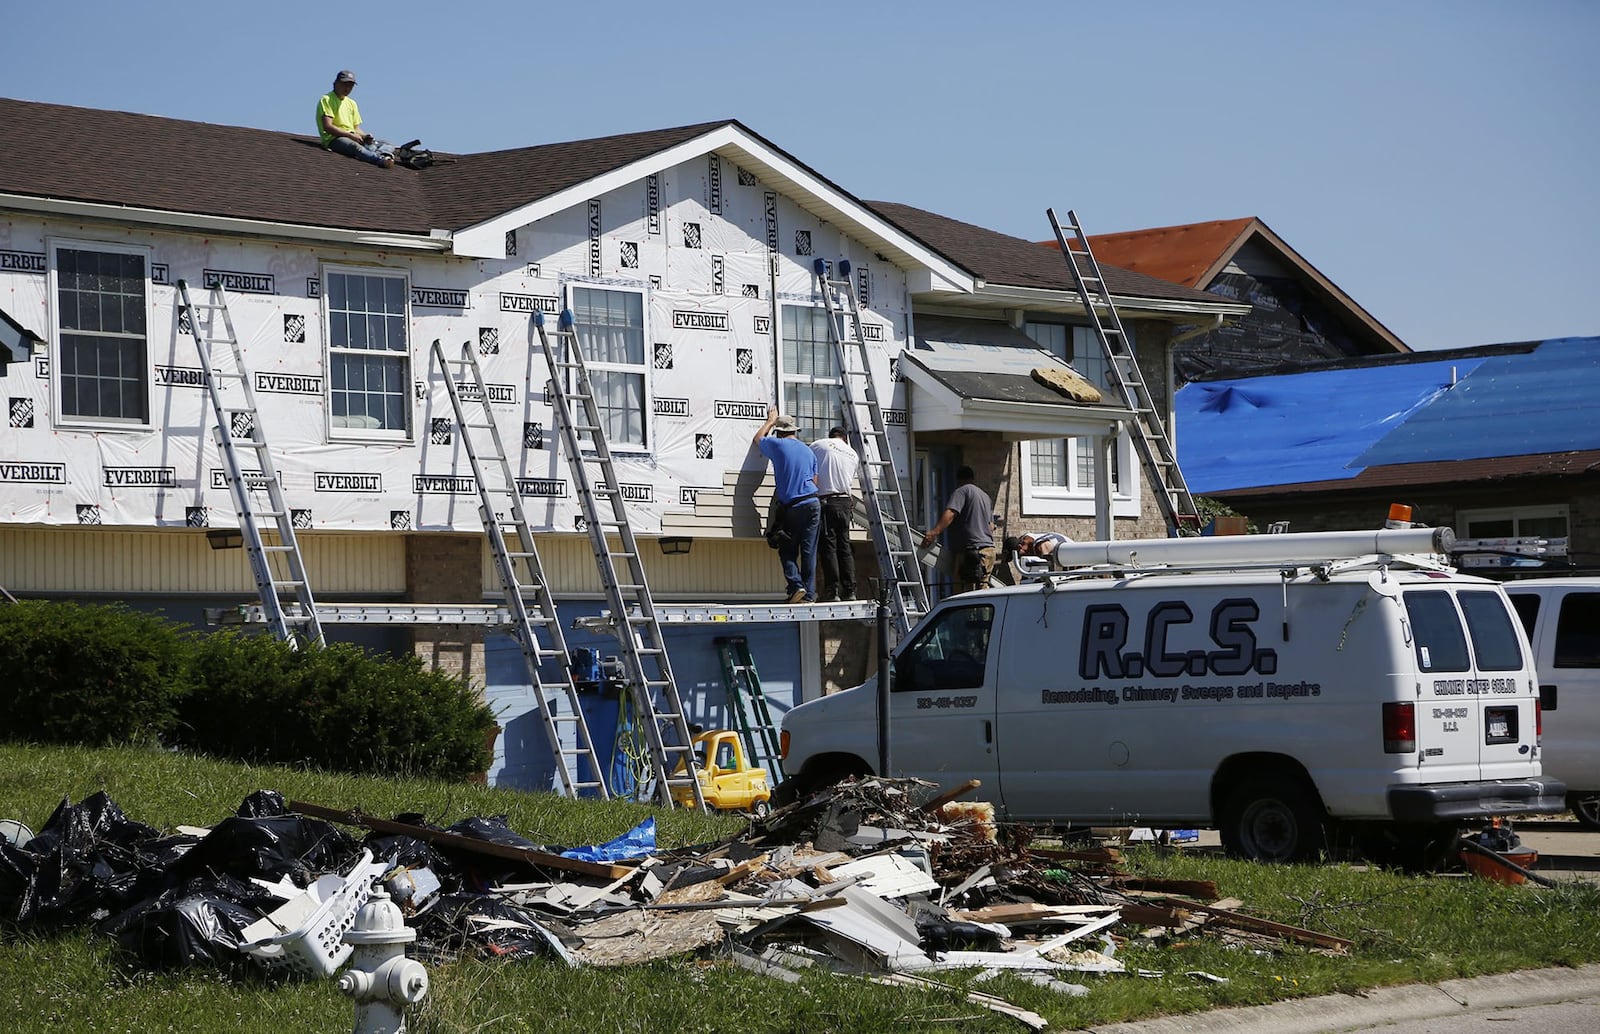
<point>969,516</point>
<point>837,468</point>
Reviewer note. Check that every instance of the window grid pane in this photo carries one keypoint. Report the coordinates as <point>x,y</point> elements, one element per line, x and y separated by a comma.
<point>100,303</point>
<point>369,368</point>
<point>810,371</point>
<point>609,329</point>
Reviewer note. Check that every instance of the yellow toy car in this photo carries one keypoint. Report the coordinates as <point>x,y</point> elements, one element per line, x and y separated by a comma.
<point>727,780</point>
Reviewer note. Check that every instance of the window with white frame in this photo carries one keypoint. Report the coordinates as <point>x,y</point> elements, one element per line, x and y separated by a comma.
<point>102,316</point>
<point>1059,473</point>
<point>810,371</point>
<point>1513,522</point>
<point>369,351</point>
<point>609,325</point>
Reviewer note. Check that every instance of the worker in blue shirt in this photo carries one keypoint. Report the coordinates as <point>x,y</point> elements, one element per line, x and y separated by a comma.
<point>794,474</point>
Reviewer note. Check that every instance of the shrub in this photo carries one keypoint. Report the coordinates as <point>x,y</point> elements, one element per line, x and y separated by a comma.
<point>334,707</point>
<point>89,674</point>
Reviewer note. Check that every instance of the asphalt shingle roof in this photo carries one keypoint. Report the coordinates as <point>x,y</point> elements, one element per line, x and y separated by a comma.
<point>1014,262</point>
<point>143,161</point>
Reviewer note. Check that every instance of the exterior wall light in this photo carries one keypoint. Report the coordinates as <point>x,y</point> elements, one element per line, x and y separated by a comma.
<point>675,545</point>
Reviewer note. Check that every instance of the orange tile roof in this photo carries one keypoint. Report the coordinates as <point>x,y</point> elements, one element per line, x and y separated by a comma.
<point>1187,255</point>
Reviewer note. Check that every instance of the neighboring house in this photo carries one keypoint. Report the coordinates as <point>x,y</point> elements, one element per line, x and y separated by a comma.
<point>686,256</point>
<point>1498,441</point>
<point>1296,316</point>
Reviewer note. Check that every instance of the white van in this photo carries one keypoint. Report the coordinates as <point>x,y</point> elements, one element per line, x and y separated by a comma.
<point>1263,685</point>
<point>1562,619</point>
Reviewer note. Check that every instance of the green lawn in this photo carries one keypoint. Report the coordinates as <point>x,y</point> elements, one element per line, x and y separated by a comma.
<point>1405,928</point>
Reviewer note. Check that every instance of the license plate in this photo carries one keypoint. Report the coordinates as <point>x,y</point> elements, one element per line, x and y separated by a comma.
<point>1498,726</point>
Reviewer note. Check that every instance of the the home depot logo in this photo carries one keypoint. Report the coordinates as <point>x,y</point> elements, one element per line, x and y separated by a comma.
<point>233,280</point>
<point>180,377</point>
<point>23,472</point>
<point>730,410</point>
<point>338,482</point>
<point>549,488</point>
<point>529,303</point>
<point>141,477</point>
<point>689,320</point>
<point>289,383</point>
<point>638,493</point>
<point>438,298</point>
<point>671,407</point>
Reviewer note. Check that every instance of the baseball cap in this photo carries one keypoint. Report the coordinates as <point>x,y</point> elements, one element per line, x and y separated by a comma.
<point>345,76</point>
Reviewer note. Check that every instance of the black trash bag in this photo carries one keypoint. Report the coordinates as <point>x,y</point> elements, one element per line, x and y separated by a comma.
<point>942,934</point>
<point>480,872</point>
<point>86,863</point>
<point>450,924</point>
<point>198,924</point>
<point>495,829</point>
<point>295,846</point>
<point>16,876</point>
<point>407,852</point>
<point>263,804</point>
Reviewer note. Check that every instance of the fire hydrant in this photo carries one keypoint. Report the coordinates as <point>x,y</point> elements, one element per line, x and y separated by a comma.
<point>380,978</point>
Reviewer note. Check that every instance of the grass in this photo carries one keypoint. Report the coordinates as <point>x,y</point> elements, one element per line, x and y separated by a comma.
<point>1405,928</point>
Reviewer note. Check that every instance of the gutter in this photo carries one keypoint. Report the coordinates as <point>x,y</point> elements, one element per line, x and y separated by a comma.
<point>434,241</point>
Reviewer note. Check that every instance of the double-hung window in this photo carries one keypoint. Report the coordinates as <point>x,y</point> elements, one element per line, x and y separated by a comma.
<point>369,352</point>
<point>1059,473</point>
<point>610,330</point>
<point>102,314</point>
<point>810,371</point>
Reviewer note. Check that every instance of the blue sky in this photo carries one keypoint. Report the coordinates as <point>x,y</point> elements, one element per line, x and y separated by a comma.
<point>1437,160</point>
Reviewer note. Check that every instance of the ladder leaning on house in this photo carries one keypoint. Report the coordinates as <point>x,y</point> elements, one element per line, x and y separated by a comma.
<point>892,538</point>
<point>644,654</point>
<point>747,705</point>
<point>1150,435</point>
<point>278,567</point>
<point>527,592</point>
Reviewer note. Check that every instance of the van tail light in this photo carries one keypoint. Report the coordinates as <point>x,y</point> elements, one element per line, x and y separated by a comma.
<point>1399,728</point>
<point>783,745</point>
<point>1538,722</point>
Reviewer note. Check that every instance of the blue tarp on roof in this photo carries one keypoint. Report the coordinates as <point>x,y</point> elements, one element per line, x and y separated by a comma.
<point>1330,425</point>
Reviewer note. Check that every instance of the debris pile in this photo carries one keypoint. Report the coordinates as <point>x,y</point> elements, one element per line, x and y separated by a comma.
<point>869,877</point>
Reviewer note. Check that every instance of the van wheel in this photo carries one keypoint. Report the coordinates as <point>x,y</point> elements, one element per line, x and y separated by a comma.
<point>1585,808</point>
<point>1274,823</point>
<point>761,809</point>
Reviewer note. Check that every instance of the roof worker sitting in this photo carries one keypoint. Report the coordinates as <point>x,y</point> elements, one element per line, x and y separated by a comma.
<point>339,124</point>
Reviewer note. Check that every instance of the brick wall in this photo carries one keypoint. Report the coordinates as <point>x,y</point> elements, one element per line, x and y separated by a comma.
<point>447,569</point>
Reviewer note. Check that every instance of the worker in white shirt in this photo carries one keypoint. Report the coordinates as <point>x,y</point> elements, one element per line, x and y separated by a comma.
<point>838,465</point>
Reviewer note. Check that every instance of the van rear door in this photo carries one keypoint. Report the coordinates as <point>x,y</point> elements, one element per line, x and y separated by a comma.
<point>1474,703</point>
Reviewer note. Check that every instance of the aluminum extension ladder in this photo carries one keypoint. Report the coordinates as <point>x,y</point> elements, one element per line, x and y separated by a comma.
<point>644,652</point>
<point>892,538</point>
<point>747,705</point>
<point>278,567</point>
<point>1150,434</point>
<point>527,592</point>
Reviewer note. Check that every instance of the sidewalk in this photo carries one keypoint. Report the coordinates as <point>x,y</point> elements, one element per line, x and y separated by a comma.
<point>1331,1014</point>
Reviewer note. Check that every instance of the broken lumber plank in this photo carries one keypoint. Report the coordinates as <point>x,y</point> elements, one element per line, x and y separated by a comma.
<point>542,859</point>
<point>955,793</point>
<point>1205,890</point>
<point>1106,855</point>
<point>1253,924</point>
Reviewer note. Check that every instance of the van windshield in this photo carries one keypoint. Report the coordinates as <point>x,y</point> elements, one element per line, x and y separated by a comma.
<point>1441,644</point>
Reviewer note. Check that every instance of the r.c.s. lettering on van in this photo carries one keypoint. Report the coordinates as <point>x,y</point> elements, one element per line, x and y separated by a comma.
<point>1105,637</point>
